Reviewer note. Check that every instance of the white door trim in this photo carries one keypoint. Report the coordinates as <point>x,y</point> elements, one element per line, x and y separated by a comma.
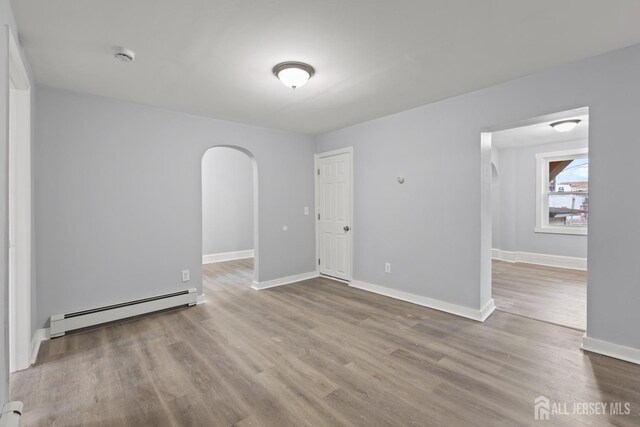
<point>19,171</point>
<point>316,158</point>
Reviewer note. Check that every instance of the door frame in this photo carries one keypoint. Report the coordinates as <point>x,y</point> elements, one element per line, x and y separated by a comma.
<point>316,159</point>
<point>18,89</point>
<point>486,179</point>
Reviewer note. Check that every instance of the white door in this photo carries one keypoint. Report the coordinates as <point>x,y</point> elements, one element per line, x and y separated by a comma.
<point>334,215</point>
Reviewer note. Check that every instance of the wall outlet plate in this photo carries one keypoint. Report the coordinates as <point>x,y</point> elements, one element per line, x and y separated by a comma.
<point>186,275</point>
<point>387,267</point>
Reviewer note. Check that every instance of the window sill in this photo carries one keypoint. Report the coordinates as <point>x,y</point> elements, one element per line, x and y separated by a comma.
<point>578,231</point>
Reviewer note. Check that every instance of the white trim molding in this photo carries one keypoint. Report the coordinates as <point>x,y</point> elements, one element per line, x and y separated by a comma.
<point>201,299</point>
<point>605,348</point>
<point>487,310</point>
<point>574,263</point>
<point>335,279</point>
<point>227,256</point>
<point>258,286</point>
<point>557,229</point>
<point>503,255</point>
<point>459,310</point>
<point>19,203</point>
<point>38,336</point>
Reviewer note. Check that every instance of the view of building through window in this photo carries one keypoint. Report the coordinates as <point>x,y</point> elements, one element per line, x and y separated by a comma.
<point>569,192</point>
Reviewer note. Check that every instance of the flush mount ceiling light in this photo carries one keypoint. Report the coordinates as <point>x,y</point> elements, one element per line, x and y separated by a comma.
<point>125,55</point>
<point>293,74</point>
<point>565,125</point>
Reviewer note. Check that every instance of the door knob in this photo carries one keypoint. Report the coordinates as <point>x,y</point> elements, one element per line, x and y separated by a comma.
<point>346,228</point>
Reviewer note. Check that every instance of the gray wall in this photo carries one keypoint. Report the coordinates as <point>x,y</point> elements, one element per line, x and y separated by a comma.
<point>119,199</point>
<point>6,18</point>
<point>429,227</point>
<point>514,204</point>
<point>227,201</point>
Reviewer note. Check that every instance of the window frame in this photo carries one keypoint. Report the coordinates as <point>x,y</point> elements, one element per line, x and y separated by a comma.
<point>542,191</point>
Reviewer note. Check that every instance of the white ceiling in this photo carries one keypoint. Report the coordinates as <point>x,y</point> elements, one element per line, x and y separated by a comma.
<point>539,134</point>
<point>372,57</point>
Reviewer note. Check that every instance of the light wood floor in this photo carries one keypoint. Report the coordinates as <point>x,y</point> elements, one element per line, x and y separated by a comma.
<point>550,294</point>
<point>316,353</point>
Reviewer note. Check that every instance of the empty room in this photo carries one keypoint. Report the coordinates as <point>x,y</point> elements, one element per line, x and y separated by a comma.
<point>297,213</point>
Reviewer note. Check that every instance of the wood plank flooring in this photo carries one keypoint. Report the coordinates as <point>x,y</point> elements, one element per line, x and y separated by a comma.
<point>550,294</point>
<point>316,353</point>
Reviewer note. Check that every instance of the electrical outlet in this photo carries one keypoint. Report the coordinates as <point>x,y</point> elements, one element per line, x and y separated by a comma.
<point>186,275</point>
<point>387,267</point>
<point>306,210</point>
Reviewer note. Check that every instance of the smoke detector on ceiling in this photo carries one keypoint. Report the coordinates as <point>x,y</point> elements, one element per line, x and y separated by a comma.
<point>125,55</point>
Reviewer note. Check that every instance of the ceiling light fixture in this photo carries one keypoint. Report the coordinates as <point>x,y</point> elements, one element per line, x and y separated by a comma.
<point>125,55</point>
<point>293,74</point>
<point>565,125</point>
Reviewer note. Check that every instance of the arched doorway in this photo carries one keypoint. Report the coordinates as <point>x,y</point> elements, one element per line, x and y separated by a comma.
<point>230,213</point>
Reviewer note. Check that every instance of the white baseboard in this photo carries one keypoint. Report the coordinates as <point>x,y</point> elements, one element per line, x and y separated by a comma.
<point>38,336</point>
<point>617,351</point>
<point>503,255</point>
<point>201,299</point>
<point>573,263</point>
<point>487,310</point>
<point>227,256</point>
<point>458,310</point>
<point>284,280</point>
<point>335,279</point>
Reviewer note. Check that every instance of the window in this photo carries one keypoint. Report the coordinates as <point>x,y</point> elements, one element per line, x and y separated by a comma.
<point>563,192</point>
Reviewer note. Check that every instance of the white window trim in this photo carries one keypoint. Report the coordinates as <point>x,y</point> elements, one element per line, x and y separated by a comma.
<point>542,183</point>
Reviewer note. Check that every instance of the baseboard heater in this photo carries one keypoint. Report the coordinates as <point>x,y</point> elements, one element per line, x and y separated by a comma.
<point>63,323</point>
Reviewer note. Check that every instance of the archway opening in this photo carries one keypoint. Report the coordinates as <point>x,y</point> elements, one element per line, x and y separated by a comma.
<point>229,216</point>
